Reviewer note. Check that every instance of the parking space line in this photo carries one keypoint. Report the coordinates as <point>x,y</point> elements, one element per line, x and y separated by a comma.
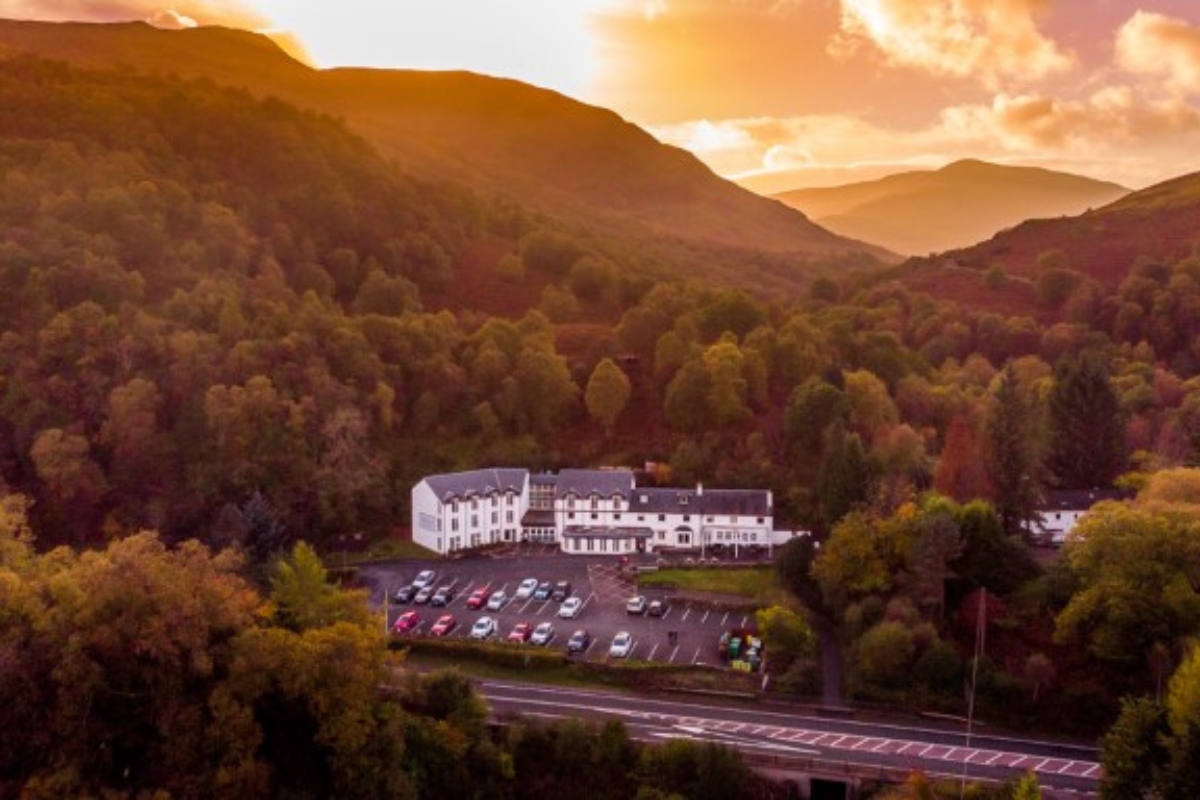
<point>673,654</point>
<point>687,610</point>
<point>653,650</point>
<point>704,619</point>
<point>696,657</point>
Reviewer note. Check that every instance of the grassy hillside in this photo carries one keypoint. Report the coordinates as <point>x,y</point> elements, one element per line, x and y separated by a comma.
<point>961,204</point>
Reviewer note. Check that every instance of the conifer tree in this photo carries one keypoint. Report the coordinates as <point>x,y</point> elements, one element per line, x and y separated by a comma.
<point>1012,458</point>
<point>1087,430</point>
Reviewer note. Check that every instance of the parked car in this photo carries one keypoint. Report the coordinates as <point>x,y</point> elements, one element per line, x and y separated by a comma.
<point>497,601</point>
<point>423,595</point>
<point>570,608</point>
<point>404,594</point>
<point>521,632</point>
<point>657,608</point>
<point>543,591</point>
<point>622,644</point>
<point>542,634</point>
<point>444,625</point>
<point>484,628</point>
<point>479,597</point>
<point>407,622</point>
<point>527,588</point>
<point>562,590</point>
<point>636,605</point>
<point>442,596</point>
<point>579,642</point>
<point>425,577</point>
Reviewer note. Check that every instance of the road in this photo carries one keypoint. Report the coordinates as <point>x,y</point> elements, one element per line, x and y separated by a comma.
<point>836,744</point>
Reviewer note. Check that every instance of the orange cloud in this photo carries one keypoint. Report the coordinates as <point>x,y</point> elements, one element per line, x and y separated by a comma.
<point>1100,135</point>
<point>172,19</point>
<point>163,13</point>
<point>993,41</point>
<point>1158,45</point>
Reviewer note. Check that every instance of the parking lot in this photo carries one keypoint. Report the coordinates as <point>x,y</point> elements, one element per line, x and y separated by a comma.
<point>598,582</point>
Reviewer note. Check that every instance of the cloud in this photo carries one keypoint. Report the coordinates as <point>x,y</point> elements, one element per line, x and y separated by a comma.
<point>185,13</point>
<point>1116,133</point>
<point>172,19</point>
<point>993,41</point>
<point>1158,45</point>
<point>653,9</point>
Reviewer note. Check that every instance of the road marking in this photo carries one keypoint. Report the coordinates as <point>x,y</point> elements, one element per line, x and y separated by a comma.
<point>724,619</point>
<point>696,657</point>
<point>686,611</point>
<point>673,654</point>
<point>653,650</point>
<point>993,758</point>
<point>705,617</point>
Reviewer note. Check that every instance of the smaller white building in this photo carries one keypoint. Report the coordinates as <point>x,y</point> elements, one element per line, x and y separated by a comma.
<point>1062,510</point>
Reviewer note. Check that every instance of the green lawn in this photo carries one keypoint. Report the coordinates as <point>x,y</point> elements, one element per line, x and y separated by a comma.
<point>756,583</point>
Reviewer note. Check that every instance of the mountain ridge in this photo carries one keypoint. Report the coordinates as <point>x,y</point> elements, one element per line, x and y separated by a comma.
<point>964,202</point>
<point>501,137</point>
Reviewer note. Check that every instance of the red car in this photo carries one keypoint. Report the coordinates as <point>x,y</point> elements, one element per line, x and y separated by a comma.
<point>478,597</point>
<point>444,625</point>
<point>522,632</point>
<point>407,622</point>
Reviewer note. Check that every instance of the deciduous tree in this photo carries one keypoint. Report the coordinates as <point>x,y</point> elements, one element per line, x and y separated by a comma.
<point>607,393</point>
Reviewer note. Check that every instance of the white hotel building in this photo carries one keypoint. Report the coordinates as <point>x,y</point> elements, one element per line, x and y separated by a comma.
<point>586,511</point>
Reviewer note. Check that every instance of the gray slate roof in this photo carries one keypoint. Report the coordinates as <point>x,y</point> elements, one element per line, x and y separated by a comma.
<point>602,482</point>
<point>478,482</point>
<point>742,502</point>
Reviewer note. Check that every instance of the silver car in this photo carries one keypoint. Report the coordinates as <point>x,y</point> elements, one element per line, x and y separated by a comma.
<point>542,634</point>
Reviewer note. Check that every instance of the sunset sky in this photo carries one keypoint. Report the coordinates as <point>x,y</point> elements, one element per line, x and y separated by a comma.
<point>781,94</point>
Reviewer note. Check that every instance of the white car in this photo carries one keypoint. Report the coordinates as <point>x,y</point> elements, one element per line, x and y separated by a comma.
<point>424,578</point>
<point>527,588</point>
<point>497,600</point>
<point>484,628</point>
<point>542,634</point>
<point>570,608</point>
<point>622,644</point>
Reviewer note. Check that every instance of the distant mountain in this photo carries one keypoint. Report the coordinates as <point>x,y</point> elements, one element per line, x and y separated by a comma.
<point>1160,223</point>
<point>962,203</point>
<point>502,138</point>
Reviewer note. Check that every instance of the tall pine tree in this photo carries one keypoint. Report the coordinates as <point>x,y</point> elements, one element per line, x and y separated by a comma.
<point>1012,457</point>
<point>1087,429</point>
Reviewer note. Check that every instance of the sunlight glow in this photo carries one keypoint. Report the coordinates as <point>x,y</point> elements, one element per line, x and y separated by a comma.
<point>550,43</point>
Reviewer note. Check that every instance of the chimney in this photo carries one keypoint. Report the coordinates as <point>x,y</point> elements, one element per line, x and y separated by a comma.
<point>699,489</point>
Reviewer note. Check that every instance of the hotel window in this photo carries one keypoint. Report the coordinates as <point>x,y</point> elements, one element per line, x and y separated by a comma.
<point>495,517</point>
<point>595,515</point>
<point>595,501</point>
<point>474,520</point>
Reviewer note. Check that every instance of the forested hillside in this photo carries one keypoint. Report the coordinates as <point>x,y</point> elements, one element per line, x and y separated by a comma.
<point>229,319</point>
<point>518,143</point>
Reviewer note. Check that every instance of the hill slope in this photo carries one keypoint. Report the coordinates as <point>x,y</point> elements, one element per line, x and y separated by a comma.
<point>1161,223</point>
<point>502,138</point>
<point>960,204</point>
